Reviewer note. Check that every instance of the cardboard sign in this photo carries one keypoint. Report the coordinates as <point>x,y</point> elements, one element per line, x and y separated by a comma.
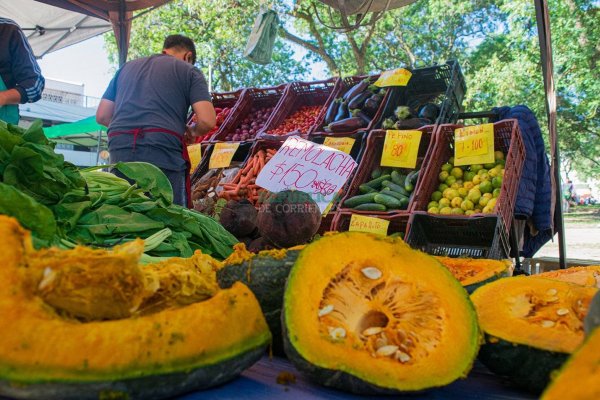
<point>222,154</point>
<point>195,153</point>
<point>474,145</point>
<point>362,223</point>
<point>396,77</point>
<point>309,167</point>
<point>342,143</point>
<point>400,149</point>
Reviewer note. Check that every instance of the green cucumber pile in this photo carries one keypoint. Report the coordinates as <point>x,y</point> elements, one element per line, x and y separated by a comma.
<point>389,189</point>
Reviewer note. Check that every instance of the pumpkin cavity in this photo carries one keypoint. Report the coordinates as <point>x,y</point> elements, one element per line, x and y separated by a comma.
<point>381,314</point>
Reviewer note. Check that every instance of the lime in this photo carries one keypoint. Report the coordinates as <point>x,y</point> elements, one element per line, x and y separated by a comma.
<point>451,193</point>
<point>467,205</point>
<point>468,185</point>
<point>483,201</point>
<point>446,210</point>
<point>486,187</point>
<point>482,171</point>
<point>446,167</point>
<point>496,193</point>
<point>451,160</point>
<point>444,203</point>
<point>468,213</point>
<point>442,187</point>
<point>476,179</point>
<point>498,155</point>
<point>432,204</point>
<point>435,196</point>
<point>468,176</point>
<point>457,211</point>
<point>474,195</point>
<point>477,211</point>
<point>456,172</point>
<point>501,163</point>
<point>489,165</point>
<point>456,202</point>
<point>492,203</point>
<point>487,195</point>
<point>497,182</point>
<point>488,210</point>
<point>462,192</point>
<point>456,185</point>
<point>449,180</point>
<point>433,210</point>
<point>493,172</point>
<point>476,167</point>
<point>443,176</point>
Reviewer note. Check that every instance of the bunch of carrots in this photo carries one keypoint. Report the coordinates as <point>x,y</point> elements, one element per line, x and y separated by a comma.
<point>243,185</point>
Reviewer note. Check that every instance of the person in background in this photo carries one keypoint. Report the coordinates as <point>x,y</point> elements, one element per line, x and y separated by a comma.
<point>145,108</point>
<point>21,79</point>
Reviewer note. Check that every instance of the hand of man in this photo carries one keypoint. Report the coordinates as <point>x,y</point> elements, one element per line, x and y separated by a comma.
<point>189,137</point>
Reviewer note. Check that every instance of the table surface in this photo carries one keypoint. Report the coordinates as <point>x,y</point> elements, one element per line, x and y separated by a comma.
<point>259,382</point>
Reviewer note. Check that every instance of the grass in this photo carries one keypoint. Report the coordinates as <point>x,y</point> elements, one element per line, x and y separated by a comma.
<point>583,215</point>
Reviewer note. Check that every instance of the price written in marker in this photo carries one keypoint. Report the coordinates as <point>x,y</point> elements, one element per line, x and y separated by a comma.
<point>342,144</point>
<point>222,155</point>
<point>361,223</point>
<point>308,167</point>
<point>195,153</point>
<point>401,149</point>
<point>395,77</point>
<point>474,145</point>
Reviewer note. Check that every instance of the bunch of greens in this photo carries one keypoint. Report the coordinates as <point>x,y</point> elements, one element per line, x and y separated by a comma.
<point>64,206</point>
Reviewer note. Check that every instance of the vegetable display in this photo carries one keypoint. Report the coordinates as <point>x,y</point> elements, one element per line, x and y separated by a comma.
<point>404,117</point>
<point>377,317</point>
<point>473,273</point>
<point>355,109</point>
<point>585,276</point>
<point>299,122</point>
<point>162,353</point>
<point>221,115</point>
<point>249,127</point>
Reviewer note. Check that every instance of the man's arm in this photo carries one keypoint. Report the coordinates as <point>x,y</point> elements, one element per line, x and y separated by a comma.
<point>205,117</point>
<point>10,96</point>
<point>27,73</point>
<point>105,111</point>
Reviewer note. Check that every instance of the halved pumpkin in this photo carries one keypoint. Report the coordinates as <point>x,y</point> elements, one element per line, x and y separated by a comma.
<point>531,326</point>
<point>475,272</point>
<point>368,314</point>
<point>585,276</point>
<point>46,356</point>
<point>579,379</point>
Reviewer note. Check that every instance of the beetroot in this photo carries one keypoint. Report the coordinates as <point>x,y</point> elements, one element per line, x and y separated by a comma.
<point>288,218</point>
<point>239,218</point>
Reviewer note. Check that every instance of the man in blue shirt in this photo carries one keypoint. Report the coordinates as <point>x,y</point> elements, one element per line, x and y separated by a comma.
<point>145,108</point>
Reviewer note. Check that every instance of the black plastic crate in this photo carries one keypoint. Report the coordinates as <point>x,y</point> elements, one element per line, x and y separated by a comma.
<point>443,85</point>
<point>475,237</point>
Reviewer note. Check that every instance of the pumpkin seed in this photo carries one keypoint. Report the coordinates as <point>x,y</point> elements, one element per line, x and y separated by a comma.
<point>325,310</point>
<point>402,357</point>
<point>562,311</point>
<point>371,273</point>
<point>385,351</point>
<point>337,333</point>
<point>547,323</point>
<point>552,299</point>
<point>374,330</point>
<point>551,292</point>
<point>47,278</point>
<point>381,342</point>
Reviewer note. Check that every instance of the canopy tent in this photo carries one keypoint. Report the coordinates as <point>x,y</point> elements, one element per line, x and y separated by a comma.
<point>54,24</point>
<point>85,133</point>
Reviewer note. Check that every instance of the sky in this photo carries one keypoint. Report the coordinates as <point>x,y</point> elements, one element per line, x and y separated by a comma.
<point>85,62</point>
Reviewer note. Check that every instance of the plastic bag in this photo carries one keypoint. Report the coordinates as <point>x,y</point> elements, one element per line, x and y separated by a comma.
<point>351,7</point>
<point>262,38</point>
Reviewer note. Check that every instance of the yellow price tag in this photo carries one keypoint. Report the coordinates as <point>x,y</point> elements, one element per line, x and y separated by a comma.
<point>396,77</point>
<point>361,223</point>
<point>195,153</point>
<point>400,149</point>
<point>222,154</point>
<point>474,145</point>
<point>341,143</point>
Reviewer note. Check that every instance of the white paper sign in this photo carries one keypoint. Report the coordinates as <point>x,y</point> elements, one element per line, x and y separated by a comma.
<point>309,167</point>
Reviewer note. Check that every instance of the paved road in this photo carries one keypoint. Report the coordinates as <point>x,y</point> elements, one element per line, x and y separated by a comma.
<point>582,242</point>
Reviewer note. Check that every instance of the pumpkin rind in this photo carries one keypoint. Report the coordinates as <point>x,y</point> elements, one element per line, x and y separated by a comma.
<point>585,276</point>
<point>152,356</point>
<point>387,268</point>
<point>531,326</point>
<point>473,273</point>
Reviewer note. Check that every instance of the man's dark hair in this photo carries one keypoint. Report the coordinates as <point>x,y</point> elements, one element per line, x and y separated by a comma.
<point>182,42</point>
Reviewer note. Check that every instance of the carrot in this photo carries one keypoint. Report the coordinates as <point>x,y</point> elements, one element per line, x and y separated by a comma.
<point>271,151</point>
<point>248,166</point>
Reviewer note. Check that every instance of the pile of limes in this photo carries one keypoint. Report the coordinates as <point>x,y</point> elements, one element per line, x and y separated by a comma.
<point>468,189</point>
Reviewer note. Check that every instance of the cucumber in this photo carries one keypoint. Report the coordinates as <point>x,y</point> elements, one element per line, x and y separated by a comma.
<point>388,201</point>
<point>411,180</point>
<point>360,199</point>
<point>396,188</point>
<point>371,207</point>
<point>398,178</point>
<point>392,193</point>
<point>376,183</point>
<point>376,173</point>
<point>364,188</point>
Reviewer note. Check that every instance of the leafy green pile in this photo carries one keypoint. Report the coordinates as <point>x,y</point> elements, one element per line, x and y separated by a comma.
<point>64,206</point>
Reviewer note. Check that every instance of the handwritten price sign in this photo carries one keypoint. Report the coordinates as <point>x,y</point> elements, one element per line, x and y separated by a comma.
<point>342,144</point>
<point>362,223</point>
<point>222,155</point>
<point>474,145</point>
<point>195,153</point>
<point>308,167</point>
<point>396,77</point>
<point>400,149</point>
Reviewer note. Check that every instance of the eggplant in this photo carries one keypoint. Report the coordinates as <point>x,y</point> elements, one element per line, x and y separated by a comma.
<point>347,125</point>
<point>342,112</point>
<point>429,111</point>
<point>356,89</point>
<point>358,100</point>
<point>361,114</point>
<point>332,111</point>
<point>372,104</point>
<point>412,123</point>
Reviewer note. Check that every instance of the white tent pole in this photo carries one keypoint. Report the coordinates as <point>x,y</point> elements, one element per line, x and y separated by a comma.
<point>98,148</point>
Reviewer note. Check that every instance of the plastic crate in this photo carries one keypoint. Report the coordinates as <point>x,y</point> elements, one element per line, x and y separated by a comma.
<point>371,159</point>
<point>326,223</point>
<point>222,100</point>
<point>443,85</point>
<point>240,156</point>
<point>444,235</point>
<point>507,138</point>
<point>398,223</point>
<point>345,85</point>
<point>251,98</point>
<point>299,94</point>
<point>204,149</point>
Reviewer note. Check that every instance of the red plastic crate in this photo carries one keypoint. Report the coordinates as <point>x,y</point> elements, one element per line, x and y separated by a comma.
<point>252,97</point>
<point>507,138</point>
<point>297,95</point>
<point>240,155</point>
<point>222,100</point>
<point>398,222</point>
<point>345,85</point>
<point>372,158</point>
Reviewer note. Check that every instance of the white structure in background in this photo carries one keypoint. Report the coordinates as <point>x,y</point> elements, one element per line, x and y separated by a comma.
<point>63,102</point>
